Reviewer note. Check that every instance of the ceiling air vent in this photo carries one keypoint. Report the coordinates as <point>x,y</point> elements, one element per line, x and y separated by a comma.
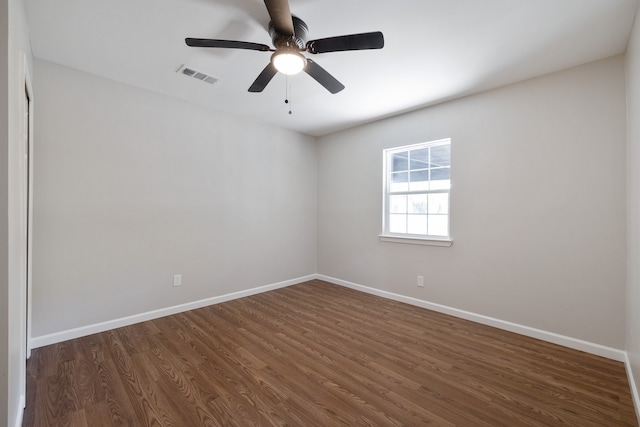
<point>197,74</point>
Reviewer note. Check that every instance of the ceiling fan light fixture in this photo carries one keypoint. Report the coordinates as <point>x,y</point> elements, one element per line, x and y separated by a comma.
<point>288,62</point>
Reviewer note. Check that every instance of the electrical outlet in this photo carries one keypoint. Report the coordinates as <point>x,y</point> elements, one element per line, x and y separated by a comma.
<point>420,281</point>
<point>177,280</point>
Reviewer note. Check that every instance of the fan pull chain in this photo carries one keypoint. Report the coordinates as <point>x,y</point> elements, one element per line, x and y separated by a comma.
<point>286,93</point>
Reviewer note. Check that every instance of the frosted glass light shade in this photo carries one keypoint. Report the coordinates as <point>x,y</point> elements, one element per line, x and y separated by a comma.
<point>289,63</point>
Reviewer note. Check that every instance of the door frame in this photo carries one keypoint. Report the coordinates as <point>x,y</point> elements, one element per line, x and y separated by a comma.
<point>27,190</point>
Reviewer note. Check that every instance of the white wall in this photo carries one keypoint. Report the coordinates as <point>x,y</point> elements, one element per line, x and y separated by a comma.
<point>633,202</point>
<point>132,187</point>
<point>5,329</point>
<point>13,217</point>
<point>538,205</point>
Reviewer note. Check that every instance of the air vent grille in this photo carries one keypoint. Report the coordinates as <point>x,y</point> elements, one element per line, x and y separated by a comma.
<point>197,74</point>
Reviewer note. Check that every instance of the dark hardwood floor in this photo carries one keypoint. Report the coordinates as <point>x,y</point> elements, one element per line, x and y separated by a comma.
<point>317,354</point>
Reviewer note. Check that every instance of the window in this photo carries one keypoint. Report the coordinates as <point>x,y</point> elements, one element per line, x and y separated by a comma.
<point>416,191</point>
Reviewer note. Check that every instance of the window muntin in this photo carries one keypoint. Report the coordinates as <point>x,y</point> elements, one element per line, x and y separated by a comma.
<point>416,190</point>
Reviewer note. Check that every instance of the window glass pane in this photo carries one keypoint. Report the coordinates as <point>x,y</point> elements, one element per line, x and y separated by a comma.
<point>438,225</point>
<point>399,177</point>
<point>419,158</point>
<point>417,203</point>
<point>441,156</point>
<point>400,161</point>
<point>417,224</point>
<point>439,203</point>
<point>419,180</point>
<point>440,179</point>
<point>398,223</point>
<point>399,182</point>
<point>438,174</point>
<point>398,204</point>
<point>418,176</point>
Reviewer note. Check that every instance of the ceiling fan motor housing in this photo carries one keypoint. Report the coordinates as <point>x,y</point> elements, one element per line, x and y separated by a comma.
<point>298,40</point>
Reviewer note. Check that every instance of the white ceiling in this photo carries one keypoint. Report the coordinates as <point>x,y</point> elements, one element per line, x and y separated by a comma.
<point>435,50</point>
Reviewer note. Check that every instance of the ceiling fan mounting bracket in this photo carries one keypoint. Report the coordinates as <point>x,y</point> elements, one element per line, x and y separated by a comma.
<point>298,40</point>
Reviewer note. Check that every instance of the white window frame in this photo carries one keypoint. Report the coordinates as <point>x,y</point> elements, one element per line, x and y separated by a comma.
<point>386,235</point>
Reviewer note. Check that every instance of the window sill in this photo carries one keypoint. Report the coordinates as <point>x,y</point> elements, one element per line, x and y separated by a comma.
<point>416,240</point>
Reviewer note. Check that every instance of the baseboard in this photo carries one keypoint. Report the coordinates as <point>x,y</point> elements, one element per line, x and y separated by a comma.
<point>596,349</point>
<point>632,384</point>
<point>577,344</point>
<point>82,331</point>
<point>574,343</point>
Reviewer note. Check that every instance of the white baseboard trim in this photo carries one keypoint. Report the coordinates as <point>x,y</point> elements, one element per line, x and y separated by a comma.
<point>21,405</point>
<point>82,331</point>
<point>597,349</point>
<point>577,344</point>
<point>634,390</point>
<point>552,337</point>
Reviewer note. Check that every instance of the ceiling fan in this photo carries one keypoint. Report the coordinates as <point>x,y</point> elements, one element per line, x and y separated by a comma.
<point>289,36</point>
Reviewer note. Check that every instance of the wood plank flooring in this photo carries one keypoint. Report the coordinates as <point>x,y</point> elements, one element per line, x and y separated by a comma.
<point>317,354</point>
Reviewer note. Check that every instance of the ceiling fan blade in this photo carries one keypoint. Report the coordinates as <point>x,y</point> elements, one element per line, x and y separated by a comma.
<point>228,44</point>
<point>362,41</point>
<point>280,16</point>
<point>323,77</point>
<point>264,78</point>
